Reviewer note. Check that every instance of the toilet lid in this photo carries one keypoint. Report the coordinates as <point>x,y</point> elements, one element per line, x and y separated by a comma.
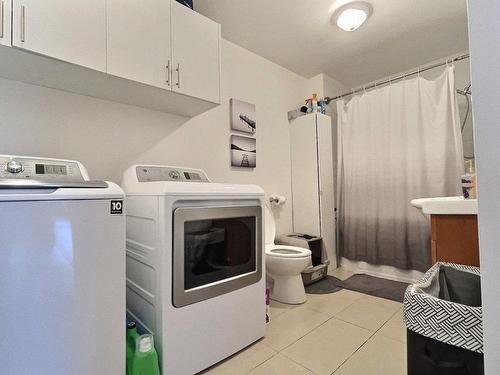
<point>270,226</point>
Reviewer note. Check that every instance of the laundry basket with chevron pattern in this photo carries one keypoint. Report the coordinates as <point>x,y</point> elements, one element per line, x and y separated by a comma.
<point>443,315</point>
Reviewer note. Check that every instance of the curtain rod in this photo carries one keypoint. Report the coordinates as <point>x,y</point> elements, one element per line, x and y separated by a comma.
<point>402,76</point>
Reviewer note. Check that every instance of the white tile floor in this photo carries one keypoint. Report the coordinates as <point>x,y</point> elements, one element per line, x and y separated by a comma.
<point>344,333</point>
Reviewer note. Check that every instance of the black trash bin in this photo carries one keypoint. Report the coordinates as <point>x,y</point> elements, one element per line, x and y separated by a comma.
<point>443,316</point>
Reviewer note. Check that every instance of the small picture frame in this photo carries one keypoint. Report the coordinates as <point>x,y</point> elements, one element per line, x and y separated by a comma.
<point>243,151</point>
<point>243,116</point>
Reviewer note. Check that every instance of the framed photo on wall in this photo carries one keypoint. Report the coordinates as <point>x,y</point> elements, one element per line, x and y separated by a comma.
<point>243,151</point>
<point>243,116</point>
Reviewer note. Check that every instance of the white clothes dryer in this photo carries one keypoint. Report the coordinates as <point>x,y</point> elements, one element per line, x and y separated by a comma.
<point>195,264</point>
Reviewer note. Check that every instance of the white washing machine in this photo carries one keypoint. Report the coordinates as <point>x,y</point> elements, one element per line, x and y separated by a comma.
<point>62,270</point>
<point>195,266</point>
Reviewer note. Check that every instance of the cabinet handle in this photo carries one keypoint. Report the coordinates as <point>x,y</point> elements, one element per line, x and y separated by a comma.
<point>1,18</point>
<point>23,23</point>
<point>168,73</point>
<point>178,70</point>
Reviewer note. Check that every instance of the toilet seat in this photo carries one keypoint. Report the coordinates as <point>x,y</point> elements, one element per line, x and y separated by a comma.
<point>287,252</point>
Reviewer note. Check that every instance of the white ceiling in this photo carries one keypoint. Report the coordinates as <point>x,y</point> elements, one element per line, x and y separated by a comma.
<point>298,34</point>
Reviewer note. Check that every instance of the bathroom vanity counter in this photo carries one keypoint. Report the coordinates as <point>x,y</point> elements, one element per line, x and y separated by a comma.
<point>454,229</point>
<point>446,206</point>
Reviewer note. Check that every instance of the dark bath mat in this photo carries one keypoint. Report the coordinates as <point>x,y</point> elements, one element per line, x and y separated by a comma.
<point>327,285</point>
<point>375,286</point>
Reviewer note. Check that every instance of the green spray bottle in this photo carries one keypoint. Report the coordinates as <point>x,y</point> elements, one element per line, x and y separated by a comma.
<point>145,360</point>
<point>132,336</point>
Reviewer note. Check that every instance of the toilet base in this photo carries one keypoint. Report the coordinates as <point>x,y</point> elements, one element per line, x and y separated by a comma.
<point>288,289</point>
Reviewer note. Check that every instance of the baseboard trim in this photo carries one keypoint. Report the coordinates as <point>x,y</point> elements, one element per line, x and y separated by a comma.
<point>385,272</point>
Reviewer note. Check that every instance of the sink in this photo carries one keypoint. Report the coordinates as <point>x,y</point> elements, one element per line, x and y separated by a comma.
<point>446,206</point>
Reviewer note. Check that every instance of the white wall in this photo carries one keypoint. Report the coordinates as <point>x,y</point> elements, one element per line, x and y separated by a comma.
<point>315,86</point>
<point>108,137</point>
<point>324,85</point>
<point>485,52</point>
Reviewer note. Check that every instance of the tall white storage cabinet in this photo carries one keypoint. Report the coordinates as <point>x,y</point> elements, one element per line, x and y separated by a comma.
<point>312,179</point>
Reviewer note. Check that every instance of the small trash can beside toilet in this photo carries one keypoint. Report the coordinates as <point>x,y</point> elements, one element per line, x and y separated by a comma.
<point>443,316</point>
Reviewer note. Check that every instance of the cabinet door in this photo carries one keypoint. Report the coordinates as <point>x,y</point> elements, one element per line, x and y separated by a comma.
<point>195,54</point>
<point>305,178</point>
<point>138,34</point>
<point>5,22</point>
<point>72,31</point>
<point>326,186</point>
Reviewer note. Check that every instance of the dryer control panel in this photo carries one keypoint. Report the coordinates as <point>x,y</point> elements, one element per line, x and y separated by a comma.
<point>147,173</point>
<point>18,167</point>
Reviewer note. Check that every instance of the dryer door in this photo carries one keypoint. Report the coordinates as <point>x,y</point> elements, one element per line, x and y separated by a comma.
<point>216,250</point>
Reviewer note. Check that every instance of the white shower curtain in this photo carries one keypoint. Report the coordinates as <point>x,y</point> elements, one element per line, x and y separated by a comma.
<point>396,143</point>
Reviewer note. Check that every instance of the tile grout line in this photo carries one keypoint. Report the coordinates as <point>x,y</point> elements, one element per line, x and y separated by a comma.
<point>280,351</point>
<point>300,364</point>
<point>364,343</point>
<point>345,308</point>
<point>330,318</point>
<point>326,321</point>
<point>308,332</point>
<point>261,363</point>
<point>290,359</point>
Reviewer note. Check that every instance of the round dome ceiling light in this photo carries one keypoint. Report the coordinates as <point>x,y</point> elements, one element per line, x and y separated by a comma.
<point>352,15</point>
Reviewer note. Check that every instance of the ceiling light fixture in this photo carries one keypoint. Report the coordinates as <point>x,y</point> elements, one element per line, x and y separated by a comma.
<point>350,16</point>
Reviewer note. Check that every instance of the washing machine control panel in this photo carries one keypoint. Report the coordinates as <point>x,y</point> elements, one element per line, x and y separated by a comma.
<point>39,169</point>
<point>154,174</point>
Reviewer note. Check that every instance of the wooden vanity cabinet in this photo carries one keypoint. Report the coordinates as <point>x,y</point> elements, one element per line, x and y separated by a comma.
<point>455,239</point>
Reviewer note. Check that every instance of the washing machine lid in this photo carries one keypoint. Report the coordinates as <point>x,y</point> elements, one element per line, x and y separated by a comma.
<point>168,180</point>
<point>34,178</point>
<point>43,185</point>
<point>270,226</point>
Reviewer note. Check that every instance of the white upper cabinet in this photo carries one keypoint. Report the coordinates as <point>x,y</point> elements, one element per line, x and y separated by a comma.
<point>68,30</point>
<point>195,54</point>
<point>155,54</point>
<point>139,47</point>
<point>5,19</point>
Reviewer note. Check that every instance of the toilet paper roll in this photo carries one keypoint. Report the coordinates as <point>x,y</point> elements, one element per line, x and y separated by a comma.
<point>277,200</point>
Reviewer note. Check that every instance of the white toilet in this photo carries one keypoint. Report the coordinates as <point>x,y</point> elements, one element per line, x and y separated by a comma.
<point>284,264</point>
